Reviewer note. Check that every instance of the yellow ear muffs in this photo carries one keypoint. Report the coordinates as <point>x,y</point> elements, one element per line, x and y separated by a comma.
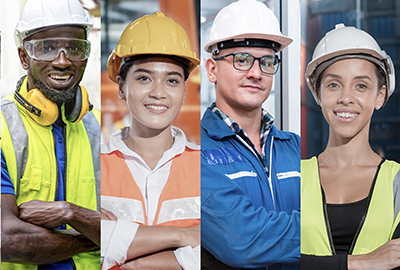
<point>41,109</point>
<point>45,112</point>
<point>81,106</point>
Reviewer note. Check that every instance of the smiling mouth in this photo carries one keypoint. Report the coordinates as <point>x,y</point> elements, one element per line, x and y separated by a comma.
<point>157,108</point>
<point>346,114</point>
<point>60,78</point>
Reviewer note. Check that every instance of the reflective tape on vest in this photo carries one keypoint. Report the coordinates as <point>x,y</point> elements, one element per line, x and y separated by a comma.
<point>178,209</point>
<point>124,208</point>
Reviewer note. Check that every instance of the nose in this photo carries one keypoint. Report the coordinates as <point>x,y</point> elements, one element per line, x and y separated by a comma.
<point>157,90</point>
<point>255,71</point>
<point>62,60</point>
<point>346,96</point>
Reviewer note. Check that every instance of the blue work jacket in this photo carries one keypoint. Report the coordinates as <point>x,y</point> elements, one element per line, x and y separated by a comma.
<point>250,220</point>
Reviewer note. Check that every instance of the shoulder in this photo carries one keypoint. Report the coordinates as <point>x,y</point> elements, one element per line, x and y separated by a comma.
<point>114,143</point>
<point>181,141</point>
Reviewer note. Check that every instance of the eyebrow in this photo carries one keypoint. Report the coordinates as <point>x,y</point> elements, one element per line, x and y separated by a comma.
<point>143,70</point>
<point>152,72</point>
<point>355,78</point>
<point>333,76</point>
<point>362,77</point>
<point>175,73</point>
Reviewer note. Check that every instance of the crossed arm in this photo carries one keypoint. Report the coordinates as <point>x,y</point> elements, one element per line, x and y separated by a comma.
<point>152,246</point>
<point>27,235</point>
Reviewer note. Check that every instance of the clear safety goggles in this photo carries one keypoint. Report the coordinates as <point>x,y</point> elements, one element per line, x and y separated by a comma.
<point>49,49</point>
<point>244,62</point>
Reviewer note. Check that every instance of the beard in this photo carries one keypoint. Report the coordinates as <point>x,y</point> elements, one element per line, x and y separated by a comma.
<point>58,97</point>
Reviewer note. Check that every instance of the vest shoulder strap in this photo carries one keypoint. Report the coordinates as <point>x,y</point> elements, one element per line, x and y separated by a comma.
<point>18,137</point>
<point>92,127</point>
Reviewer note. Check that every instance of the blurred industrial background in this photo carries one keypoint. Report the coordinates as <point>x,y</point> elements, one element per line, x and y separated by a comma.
<point>284,101</point>
<point>115,16</point>
<point>381,19</point>
<point>11,70</point>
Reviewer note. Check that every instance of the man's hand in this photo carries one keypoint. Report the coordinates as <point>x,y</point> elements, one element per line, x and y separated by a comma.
<point>107,215</point>
<point>46,214</point>
<point>51,215</point>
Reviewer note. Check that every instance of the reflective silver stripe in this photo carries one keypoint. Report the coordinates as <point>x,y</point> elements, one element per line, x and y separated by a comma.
<point>285,175</point>
<point>92,127</point>
<point>396,194</point>
<point>124,208</point>
<point>233,176</point>
<point>19,137</point>
<point>178,209</point>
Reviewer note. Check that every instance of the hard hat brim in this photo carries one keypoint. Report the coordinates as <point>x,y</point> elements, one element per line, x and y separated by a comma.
<point>282,40</point>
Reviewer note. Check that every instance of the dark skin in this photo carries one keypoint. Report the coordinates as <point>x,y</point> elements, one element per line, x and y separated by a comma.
<point>27,230</point>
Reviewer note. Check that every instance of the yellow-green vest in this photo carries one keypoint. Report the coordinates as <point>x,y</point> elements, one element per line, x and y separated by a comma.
<point>29,152</point>
<point>379,224</point>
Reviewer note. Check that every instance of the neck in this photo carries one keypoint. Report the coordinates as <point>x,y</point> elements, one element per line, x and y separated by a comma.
<point>149,144</point>
<point>347,152</point>
<point>249,120</point>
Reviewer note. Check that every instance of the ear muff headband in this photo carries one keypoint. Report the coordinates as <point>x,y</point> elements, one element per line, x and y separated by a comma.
<point>45,112</point>
<point>81,107</point>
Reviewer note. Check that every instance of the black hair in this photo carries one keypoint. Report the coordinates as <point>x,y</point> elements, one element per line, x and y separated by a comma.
<point>128,63</point>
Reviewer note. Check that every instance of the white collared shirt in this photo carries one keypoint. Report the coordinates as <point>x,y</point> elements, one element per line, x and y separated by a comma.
<point>151,182</point>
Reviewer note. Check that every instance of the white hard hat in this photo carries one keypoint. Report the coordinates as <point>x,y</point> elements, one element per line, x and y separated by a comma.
<point>244,20</point>
<point>39,15</point>
<point>343,43</point>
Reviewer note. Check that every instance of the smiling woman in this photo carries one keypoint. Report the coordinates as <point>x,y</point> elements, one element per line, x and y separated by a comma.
<point>150,172</point>
<point>350,206</point>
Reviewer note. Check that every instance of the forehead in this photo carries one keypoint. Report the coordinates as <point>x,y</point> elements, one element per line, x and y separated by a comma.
<point>351,66</point>
<point>61,31</point>
<point>157,61</point>
<point>255,51</point>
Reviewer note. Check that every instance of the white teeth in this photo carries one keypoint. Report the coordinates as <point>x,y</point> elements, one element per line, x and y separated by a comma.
<point>60,77</point>
<point>346,114</point>
<point>155,107</point>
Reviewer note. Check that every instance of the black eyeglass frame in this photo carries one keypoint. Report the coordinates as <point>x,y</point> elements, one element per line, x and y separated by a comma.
<point>276,61</point>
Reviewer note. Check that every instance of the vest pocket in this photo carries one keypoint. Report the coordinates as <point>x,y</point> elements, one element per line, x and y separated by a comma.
<point>35,184</point>
<point>33,180</point>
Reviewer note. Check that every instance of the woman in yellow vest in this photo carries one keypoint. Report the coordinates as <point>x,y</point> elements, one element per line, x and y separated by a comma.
<point>150,172</point>
<point>350,195</point>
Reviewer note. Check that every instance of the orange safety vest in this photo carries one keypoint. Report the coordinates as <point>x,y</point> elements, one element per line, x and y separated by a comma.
<point>179,203</point>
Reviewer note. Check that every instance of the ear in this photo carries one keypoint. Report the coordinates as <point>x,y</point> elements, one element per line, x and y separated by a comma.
<point>380,99</point>
<point>121,88</point>
<point>23,57</point>
<point>184,95</point>
<point>211,69</point>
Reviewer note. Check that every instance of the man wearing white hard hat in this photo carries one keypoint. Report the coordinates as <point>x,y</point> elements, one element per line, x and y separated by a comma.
<point>250,170</point>
<point>50,151</point>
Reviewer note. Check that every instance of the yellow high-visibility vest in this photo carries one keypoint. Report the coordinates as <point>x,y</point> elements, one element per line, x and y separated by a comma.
<point>379,223</point>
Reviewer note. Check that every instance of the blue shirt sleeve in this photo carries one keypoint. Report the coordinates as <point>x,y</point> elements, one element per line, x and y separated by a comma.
<point>7,186</point>
<point>242,235</point>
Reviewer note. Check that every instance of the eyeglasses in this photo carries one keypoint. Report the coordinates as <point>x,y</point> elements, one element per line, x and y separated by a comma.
<point>244,61</point>
<point>49,49</point>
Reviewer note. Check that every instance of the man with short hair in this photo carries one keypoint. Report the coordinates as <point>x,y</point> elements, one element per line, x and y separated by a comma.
<point>250,170</point>
<point>50,151</point>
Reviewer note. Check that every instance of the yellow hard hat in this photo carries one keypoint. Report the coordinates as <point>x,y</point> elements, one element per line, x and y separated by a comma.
<point>151,34</point>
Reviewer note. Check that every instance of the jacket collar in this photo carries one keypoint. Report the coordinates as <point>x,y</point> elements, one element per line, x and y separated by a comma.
<point>218,129</point>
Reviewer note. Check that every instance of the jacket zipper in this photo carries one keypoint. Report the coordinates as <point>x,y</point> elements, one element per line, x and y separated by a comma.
<point>73,264</point>
<point>65,162</point>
